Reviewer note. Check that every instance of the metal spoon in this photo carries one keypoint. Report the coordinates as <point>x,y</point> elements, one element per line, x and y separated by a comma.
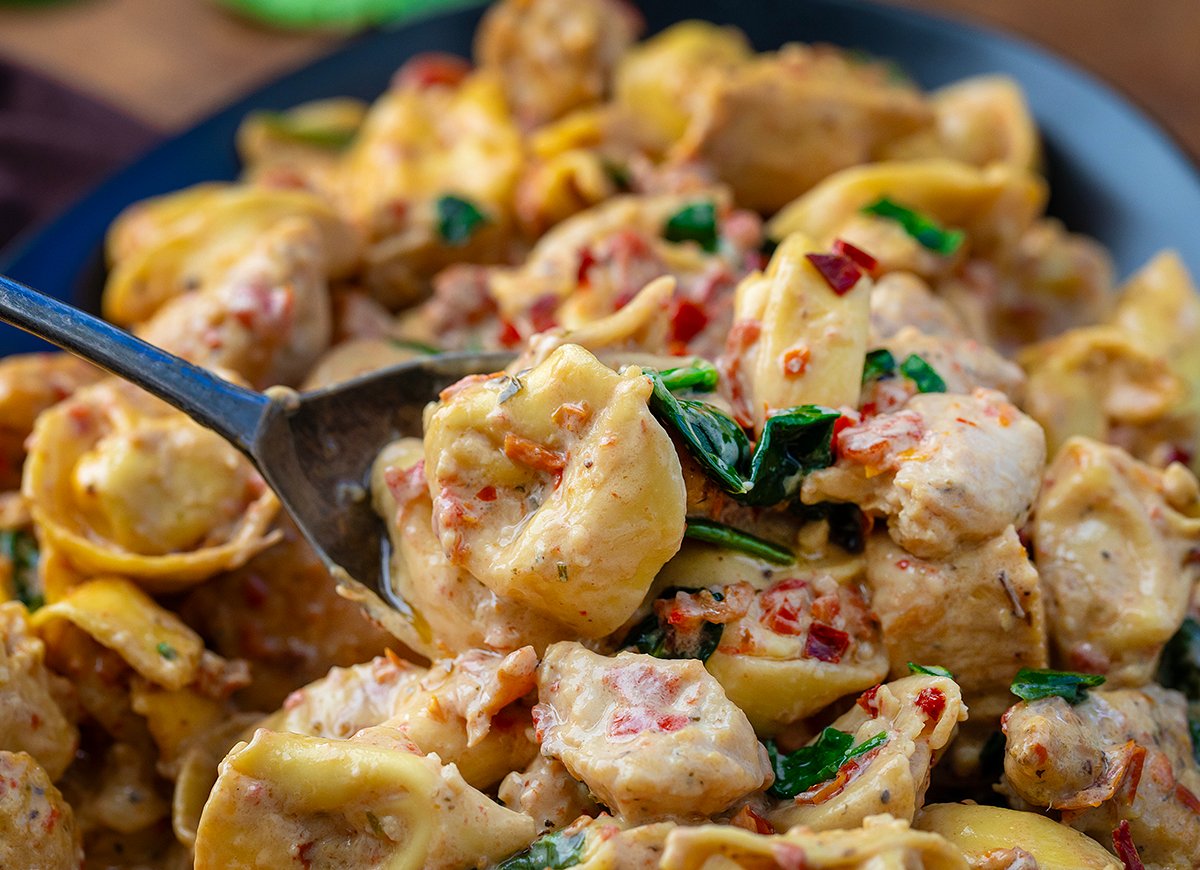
<point>314,449</point>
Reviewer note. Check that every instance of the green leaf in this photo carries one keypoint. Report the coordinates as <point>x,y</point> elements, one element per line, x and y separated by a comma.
<point>922,374</point>
<point>693,223</point>
<point>1179,667</point>
<point>809,765</point>
<point>550,852</point>
<point>878,364</point>
<point>921,228</point>
<point>1030,684</point>
<point>286,126</point>
<point>1194,732</point>
<point>713,438</point>
<point>414,345</point>
<point>458,219</point>
<point>793,443</point>
<point>699,529</point>
<point>167,651</point>
<point>700,376</point>
<point>339,13</point>
<point>929,670</point>
<point>21,550</point>
<point>652,637</point>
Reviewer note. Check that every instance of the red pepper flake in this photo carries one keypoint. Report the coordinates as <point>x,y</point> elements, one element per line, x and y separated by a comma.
<point>432,68</point>
<point>1133,773</point>
<point>509,336</point>
<point>533,455</point>
<point>932,702</point>
<point>687,320</point>
<point>586,260</point>
<point>903,564</point>
<point>869,702</point>
<point>1123,844</point>
<point>751,821</point>
<point>839,272</point>
<point>826,643</point>
<point>839,425</point>
<point>782,606</point>
<point>860,257</point>
<point>488,493</point>
<point>543,718</point>
<point>795,361</point>
<point>303,853</point>
<point>541,313</point>
<point>1185,797</point>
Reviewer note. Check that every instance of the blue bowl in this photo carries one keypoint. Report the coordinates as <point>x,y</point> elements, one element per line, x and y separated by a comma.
<point>1114,174</point>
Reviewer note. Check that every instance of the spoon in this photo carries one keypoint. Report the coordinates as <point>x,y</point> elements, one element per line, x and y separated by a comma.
<point>313,449</point>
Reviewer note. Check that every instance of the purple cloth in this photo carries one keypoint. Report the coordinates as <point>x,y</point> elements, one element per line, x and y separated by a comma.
<point>54,144</point>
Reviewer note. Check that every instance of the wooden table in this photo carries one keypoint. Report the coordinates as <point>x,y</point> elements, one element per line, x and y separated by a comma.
<point>169,62</point>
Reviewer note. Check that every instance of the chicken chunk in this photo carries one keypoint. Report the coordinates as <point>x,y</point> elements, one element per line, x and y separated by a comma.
<point>546,791</point>
<point>1115,543</point>
<point>917,716</point>
<point>978,613</point>
<point>555,55</point>
<point>650,737</point>
<point>37,826</point>
<point>31,719</point>
<point>1120,755</point>
<point>901,299</point>
<point>946,470</point>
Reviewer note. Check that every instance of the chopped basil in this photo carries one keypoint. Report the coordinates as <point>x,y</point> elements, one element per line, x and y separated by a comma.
<point>713,438</point>
<point>809,765</point>
<point>921,228</point>
<point>167,651</point>
<point>21,550</point>
<point>711,532</point>
<point>693,223</point>
<point>700,376</point>
<point>922,374</point>
<point>652,637</point>
<point>793,443</point>
<point>1030,684</point>
<point>879,364</point>
<point>550,852</point>
<point>287,126</point>
<point>929,670</point>
<point>412,344</point>
<point>458,219</point>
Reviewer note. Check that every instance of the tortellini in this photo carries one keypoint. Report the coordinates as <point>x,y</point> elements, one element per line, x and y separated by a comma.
<point>557,488</point>
<point>34,817</point>
<point>125,485</point>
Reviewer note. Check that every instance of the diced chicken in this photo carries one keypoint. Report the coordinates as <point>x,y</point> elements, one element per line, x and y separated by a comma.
<point>918,717</point>
<point>1119,755</point>
<point>347,700</point>
<point>555,55</point>
<point>650,737</point>
<point>31,719</point>
<point>37,826</point>
<point>978,613</point>
<point>962,363</point>
<point>1115,543</point>
<point>901,299</point>
<point>946,470</point>
<point>547,792</point>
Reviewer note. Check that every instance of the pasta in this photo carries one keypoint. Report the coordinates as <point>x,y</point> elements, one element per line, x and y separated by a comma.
<point>837,509</point>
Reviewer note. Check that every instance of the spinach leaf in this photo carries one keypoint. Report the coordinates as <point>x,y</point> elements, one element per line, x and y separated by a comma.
<point>712,532</point>
<point>1030,684</point>
<point>713,437</point>
<point>21,550</point>
<point>810,765</point>
<point>878,364</point>
<point>921,228</point>
<point>700,375</point>
<point>922,374</point>
<point>458,219</point>
<point>929,670</point>
<point>554,851</point>
<point>793,443</point>
<point>652,637</point>
<point>693,223</point>
<point>1179,667</point>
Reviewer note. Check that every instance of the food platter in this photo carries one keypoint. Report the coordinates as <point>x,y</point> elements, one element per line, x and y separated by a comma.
<point>1113,172</point>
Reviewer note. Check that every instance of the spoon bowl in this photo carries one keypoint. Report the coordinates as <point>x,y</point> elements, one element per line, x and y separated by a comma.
<point>315,449</point>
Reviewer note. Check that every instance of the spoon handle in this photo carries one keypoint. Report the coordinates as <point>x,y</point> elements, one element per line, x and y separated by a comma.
<point>232,411</point>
